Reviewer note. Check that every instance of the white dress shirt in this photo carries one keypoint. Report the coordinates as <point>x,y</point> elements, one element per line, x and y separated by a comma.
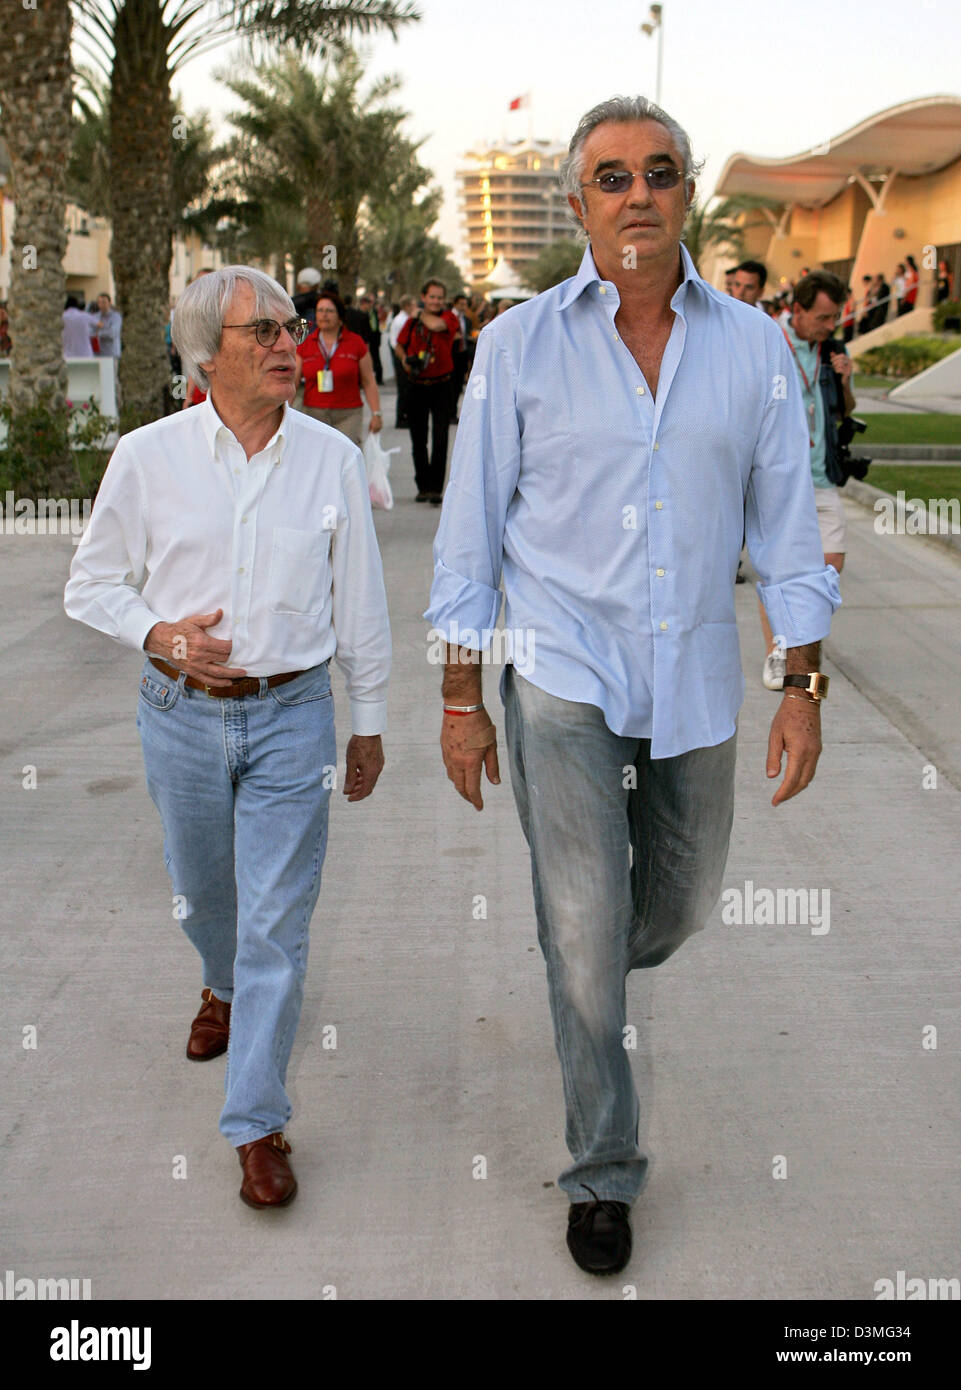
<point>396,324</point>
<point>284,543</point>
<point>77,328</point>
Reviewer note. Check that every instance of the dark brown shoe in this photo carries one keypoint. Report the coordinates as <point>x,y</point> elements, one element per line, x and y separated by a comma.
<point>268,1179</point>
<point>210,1029</point>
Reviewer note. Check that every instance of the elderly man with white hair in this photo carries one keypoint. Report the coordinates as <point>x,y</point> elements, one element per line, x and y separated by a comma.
<point>233,544</point>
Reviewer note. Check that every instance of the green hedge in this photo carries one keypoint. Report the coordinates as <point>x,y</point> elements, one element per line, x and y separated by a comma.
<point>948,309</point>
<point>905,357</point>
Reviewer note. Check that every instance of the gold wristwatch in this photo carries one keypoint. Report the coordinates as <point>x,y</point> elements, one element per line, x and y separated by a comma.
<point>814,683</point>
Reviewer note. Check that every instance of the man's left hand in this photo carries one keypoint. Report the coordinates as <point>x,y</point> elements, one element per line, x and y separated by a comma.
<point>795,730</point>
<point>365,762</point>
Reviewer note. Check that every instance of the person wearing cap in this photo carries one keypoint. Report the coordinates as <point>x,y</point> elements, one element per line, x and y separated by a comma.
<point>305,298</point>
<point>233,546</point>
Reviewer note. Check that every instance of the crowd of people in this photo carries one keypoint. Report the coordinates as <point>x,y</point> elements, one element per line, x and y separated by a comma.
<point>424,344</point>
<point>862,312</point>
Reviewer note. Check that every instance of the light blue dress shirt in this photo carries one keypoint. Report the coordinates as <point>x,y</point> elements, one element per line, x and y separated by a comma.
<point>617,520</point>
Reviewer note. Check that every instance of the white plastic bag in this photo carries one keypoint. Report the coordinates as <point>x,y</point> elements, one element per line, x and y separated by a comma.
<point>377,460</point>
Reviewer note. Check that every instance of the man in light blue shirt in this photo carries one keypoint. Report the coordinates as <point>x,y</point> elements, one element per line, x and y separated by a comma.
<point>108,327</point>
<point>618,435</point>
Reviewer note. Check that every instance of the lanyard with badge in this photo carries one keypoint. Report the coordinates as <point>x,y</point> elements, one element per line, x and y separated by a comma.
<point>810,389</point>
<point>325,377</point>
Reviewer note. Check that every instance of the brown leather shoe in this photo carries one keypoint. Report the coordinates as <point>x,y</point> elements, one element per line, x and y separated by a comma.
<point>210,1029</point>
<point>268,1179</point>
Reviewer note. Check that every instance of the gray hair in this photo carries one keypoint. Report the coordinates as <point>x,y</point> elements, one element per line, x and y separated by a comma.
<point>622,109</point>
<point>198,318</point>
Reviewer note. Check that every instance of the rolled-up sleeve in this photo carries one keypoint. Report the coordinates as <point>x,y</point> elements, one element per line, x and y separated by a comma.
<point>360,620</point>
<point>109,566</point>
<point>465,595</point>
<point>799,592</point>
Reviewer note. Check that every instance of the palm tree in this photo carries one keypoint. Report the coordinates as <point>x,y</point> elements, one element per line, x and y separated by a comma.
<point>35,96</point>
<point>319,161</point>
<point>720,223</point>
<point>140,45</point>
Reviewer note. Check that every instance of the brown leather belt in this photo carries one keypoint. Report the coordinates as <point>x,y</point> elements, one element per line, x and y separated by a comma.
<point>239,685</point>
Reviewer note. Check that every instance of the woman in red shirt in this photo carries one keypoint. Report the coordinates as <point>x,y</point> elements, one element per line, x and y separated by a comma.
<point>912,280</point>
<point>335,367</point>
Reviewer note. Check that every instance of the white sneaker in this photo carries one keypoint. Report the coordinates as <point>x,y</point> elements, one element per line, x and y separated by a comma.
<point>775,669</point>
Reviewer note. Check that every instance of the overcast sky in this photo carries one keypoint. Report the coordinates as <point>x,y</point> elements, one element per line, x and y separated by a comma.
<point>758,78</point>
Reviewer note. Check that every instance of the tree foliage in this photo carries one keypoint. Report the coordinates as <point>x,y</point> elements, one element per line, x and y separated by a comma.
<point>557,261</point>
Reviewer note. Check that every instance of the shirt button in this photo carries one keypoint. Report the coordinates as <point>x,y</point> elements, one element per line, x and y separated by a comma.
<point>640,390</point>
<point>241,570</point>
<point>659,573</point>
<point>603,290</point>
<point>659,506</point>
<point>663,627</point>
<point>656,447</point>
<point>243,520</point>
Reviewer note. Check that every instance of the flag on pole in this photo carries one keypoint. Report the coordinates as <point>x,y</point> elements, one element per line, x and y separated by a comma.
<point>518,102</point>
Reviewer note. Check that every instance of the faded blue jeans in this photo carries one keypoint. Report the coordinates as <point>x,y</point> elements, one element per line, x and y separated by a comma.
<point>622,876</point>
<point>243,790</point>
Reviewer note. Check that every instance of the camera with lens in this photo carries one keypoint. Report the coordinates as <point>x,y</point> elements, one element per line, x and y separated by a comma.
<point>851,467</point>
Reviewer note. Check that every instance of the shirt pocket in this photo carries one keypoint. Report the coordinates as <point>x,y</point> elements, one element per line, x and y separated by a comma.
<point>299,571</point>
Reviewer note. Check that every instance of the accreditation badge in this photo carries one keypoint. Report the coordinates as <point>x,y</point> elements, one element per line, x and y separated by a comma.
<point>325,380</point>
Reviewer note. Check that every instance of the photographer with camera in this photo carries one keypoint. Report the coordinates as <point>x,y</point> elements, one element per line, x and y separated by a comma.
<point>425,350</point>
<point>825,372</point>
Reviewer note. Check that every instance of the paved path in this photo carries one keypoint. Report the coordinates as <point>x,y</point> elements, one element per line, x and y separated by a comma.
<point>754,1042</point>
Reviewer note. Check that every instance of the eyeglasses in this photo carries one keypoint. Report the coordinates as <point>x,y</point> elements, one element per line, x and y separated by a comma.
<point>268,330</point>
<point>664,176</point>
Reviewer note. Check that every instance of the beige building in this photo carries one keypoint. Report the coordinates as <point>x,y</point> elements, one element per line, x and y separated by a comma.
<point>87,260</point>
<point>510,203</point>
<point>859,203</point>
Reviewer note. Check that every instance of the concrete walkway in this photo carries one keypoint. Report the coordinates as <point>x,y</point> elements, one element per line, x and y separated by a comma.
<point>759,1048</point>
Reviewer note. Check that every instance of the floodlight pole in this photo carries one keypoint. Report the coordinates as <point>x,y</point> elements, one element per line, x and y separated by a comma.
<point>654,22</point>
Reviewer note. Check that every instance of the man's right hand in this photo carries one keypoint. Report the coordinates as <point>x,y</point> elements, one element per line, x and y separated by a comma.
<point>187,645</point>
<point>468,742</point>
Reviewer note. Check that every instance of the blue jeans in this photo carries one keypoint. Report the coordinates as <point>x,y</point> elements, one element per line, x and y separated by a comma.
<point>243,790</point>
<point>622,875</point>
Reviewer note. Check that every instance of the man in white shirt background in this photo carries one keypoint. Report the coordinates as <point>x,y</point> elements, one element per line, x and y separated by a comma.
<point>234,545</point>
<point>78,326</point>
<point>407,306</point>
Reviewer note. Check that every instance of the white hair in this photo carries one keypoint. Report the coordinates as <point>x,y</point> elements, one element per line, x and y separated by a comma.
<point>622,109</point>
<point>198,318</point>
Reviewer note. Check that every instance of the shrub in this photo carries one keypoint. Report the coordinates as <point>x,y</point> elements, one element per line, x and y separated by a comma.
<point>54,453</point>
<point>904,357</point>
<point>948,309</point>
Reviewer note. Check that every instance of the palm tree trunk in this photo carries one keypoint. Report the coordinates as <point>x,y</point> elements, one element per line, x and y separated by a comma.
<point>36,97</point>
<point>141,169</point>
